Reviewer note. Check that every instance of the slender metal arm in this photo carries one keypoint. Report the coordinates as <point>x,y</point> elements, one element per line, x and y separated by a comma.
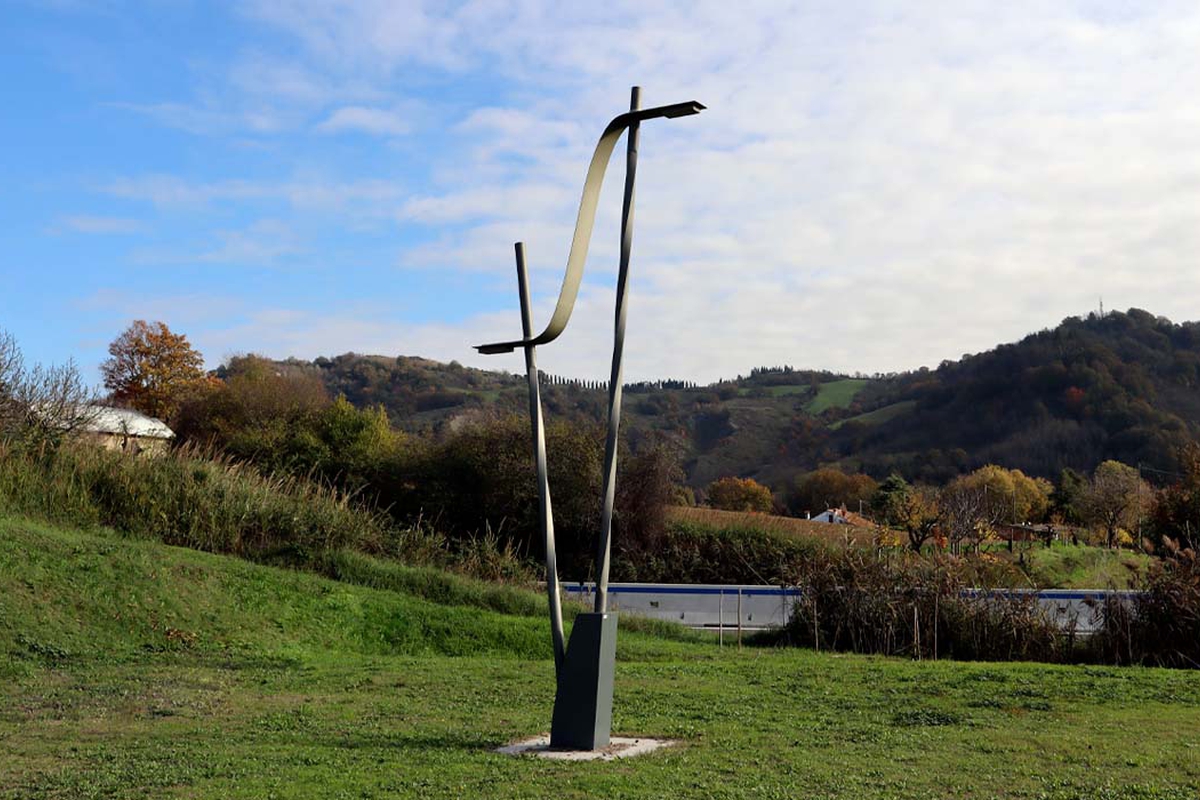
<point>539,457</point>
<point>584,222</point>
<point>604,544</point>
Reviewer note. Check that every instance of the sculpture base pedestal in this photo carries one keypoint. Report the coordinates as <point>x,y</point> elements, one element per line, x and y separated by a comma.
<point>583,702</point>
<point>618,747</point>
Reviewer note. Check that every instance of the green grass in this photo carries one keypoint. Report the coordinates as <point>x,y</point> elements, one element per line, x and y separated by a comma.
<point>879,415</point>
<point>281,684</point>
<point>780,391</point>
<point>835,394</point>
<point>85,591</point>
<point>775,391</point>
<point>1065,566</point>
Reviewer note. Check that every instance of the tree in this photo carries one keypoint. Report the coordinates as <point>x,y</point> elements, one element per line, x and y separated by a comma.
<point>1176,512</point>
<point>739,494</point>
<point>1067,493</point>
<point>974,504</point>
<point>481,477</point>
<point>919,516</point>
<point>647,484</point>
<point>150,368</point>
<point>43,404</point>
<point>830,488</point>
<point>1115,498</point>
<point>1011,495</point>
<point>12,368</point>
<point>913,509</point>
<point>884,501</point>
<point>254,412</point>
<point>970,512</point>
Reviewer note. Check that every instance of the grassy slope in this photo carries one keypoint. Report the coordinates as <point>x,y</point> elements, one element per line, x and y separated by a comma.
<point>879,415</point>
<point>1065,566</point>
<point>776,391</point>
<point>759,424</point>
<point>835,394</point>
<point>81,591</point>
<point>296,686</point>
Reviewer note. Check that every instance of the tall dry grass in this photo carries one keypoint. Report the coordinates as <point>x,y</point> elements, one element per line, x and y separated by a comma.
<point>918,606</point>
<point>692,552</point>
<point>1161,625</point>
<point>847,535</point>
<point>198,499</point>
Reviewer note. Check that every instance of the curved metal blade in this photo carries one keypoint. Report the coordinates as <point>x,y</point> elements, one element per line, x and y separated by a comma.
<point>585,220</point>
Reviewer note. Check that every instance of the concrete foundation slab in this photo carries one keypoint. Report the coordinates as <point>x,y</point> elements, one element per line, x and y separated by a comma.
<point>618,747</point>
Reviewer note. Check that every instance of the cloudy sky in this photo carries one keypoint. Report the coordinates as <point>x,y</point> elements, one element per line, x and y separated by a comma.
<point>874,186</point>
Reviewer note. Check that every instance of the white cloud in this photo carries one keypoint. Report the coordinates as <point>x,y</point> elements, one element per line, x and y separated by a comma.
<point>321,194</point>
<point>374,121</point>
<point>98,225</point>
<point>263,243</point>
<point>207,120</point>
<point>875,185</point>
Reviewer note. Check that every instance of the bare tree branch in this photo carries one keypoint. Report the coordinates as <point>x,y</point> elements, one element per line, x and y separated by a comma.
<point>43,404</point>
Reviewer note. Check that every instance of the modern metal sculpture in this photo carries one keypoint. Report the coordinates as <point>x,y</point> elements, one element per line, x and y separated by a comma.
<point>584,669</point>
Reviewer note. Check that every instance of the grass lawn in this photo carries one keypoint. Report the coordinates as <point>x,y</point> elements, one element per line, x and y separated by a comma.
<point>835,394</point>
<point>134,670</point>
<point>781,391</point>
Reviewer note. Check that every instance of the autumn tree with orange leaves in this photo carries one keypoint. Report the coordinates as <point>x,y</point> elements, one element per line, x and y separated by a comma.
<point>151,368</point>
<point>739,494</point>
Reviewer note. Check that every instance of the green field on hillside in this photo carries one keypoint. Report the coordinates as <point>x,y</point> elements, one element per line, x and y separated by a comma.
<point>879,415</point>
<point>130,669</point>
<point>835,394</point>
<point>774,391</point>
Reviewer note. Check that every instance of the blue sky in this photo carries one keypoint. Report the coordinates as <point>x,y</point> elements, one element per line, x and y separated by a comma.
<point>875,186</point>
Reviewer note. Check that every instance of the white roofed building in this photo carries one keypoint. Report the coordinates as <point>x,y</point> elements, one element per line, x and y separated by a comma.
<point>126,430</point>
<point>840,516</point>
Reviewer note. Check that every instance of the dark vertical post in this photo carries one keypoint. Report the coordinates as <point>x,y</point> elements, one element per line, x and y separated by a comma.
<point>539,456</point>
<point>604,545</point>
<point>739,617</point>
<point>721,619</point>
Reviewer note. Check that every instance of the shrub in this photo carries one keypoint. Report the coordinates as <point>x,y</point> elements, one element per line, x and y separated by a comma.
<point>813,492</point>
<point>739,494</point>
<point>646,485</point>
<point>917,606</point>
<point>482,478</point>
<point>283,422</point>
<point>1161,625</point>
<point>694,553</point>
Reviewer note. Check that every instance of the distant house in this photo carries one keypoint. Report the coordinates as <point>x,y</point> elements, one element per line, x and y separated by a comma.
<point>126,430</point>
<point>840,516</point>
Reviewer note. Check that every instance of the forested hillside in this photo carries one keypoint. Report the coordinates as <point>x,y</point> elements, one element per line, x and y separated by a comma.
<point>1124,386</point>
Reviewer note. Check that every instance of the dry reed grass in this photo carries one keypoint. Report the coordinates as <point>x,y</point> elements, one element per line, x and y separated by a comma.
<point>844,535</point>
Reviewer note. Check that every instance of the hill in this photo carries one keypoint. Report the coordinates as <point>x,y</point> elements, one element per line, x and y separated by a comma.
<point>1124,386</point>
<point>131,669</point>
